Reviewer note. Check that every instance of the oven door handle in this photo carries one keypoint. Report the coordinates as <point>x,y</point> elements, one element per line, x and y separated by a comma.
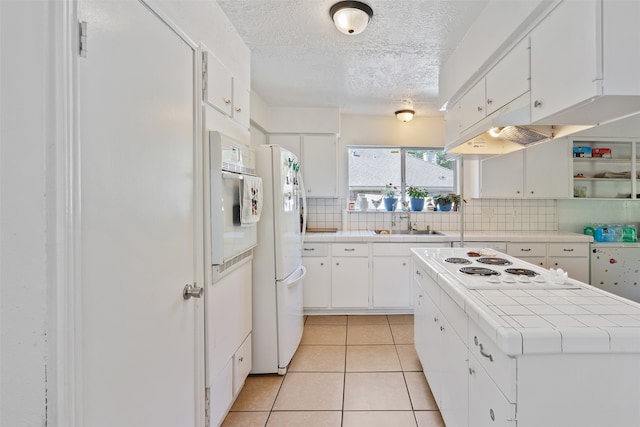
<point>231,175</point>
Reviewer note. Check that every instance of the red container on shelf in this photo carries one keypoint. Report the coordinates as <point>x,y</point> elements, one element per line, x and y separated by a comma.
<point>601,152</point>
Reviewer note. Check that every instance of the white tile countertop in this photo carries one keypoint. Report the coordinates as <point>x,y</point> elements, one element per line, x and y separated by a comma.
<point>448,236</point>
<point>543,320</point>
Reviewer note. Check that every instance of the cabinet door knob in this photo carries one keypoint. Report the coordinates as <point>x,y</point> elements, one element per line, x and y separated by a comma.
<point>337,263</point>
<point>537,103</point>
<point>489,101</point>
<point>227,101</point>
<point>472,371</point>
<point>531,191</point>
<point>238,109</point>
<point>479,109</point>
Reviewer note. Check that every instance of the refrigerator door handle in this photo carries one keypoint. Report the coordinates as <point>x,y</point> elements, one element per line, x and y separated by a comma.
<point>304,209</point>
<point>292,281</point>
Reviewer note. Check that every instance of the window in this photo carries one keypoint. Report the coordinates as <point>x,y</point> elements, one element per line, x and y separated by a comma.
<point>372,168</point>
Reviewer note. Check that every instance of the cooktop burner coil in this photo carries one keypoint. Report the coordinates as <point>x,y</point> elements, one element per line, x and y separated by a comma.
<point>494,261</point>
<point>458,261</point>
<point>521,272</point>
<point>479,271</point>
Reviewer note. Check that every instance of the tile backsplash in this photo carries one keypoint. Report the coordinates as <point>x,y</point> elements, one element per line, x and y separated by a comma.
<point>479,215</point>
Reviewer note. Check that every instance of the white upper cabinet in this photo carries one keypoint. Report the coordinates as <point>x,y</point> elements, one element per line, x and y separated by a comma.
<point>317,154</point>
<point>509,78</point>
<point>538,172</point>
<point>320,165</point>
<point>219,84</point>
<point>566,66</point>
<point>472,105</point>
<point>585,62</point>
<point>224,92</point>
<point>241,103</point>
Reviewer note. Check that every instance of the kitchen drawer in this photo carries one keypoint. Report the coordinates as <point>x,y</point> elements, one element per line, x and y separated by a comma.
<point>454,314</point>
<point>428,284</point>
<point>569,249</point>
<point>350,249</point>
<point>520,250</point>
<point>315,249</point>
<point>392,249</point>
<point>487,405</point>
<point>500,367</point>
<point>241,365</point>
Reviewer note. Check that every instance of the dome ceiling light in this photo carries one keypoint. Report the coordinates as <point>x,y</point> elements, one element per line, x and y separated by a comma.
<point>351,17</point>
<point>405,115</point>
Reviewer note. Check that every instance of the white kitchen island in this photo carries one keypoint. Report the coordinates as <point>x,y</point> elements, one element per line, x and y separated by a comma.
<point>530,352</point>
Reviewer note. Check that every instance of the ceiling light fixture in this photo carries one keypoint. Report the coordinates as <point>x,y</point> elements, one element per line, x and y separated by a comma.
<point>351,17</point>
<point>405,115</point>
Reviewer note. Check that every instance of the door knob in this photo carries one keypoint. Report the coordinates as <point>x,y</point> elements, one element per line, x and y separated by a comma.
<point>192,291</point>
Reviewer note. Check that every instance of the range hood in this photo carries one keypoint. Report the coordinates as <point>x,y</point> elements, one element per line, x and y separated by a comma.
<point>505,130</point>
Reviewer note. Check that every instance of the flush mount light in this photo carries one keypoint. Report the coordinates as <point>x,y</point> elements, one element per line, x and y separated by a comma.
<point>351,17</point>
<point>405,115</point>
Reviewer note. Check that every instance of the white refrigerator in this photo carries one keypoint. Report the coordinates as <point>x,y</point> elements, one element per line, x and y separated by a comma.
<point>278,273</point>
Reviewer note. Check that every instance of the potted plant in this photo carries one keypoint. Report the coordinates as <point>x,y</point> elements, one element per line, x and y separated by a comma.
<point>390,199</point>
<point>456,199</point>
<point>443,201</point>
<point>417,195</point>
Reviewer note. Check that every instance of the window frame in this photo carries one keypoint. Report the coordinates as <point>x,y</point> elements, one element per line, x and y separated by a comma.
<point>403,153</point>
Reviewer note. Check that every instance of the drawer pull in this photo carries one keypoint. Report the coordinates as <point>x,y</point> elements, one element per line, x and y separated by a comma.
<point>349,250</point>
<point>525,249</point>
<point>567,250</point>
<point>492,415</point>
<point>309,249</point>
<point>487,355</point>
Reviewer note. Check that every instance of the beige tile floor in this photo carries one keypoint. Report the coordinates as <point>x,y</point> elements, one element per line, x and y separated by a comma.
<point>349,371</point>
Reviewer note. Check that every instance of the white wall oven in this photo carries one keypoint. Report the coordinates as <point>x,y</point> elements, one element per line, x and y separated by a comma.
<point>233,228</point>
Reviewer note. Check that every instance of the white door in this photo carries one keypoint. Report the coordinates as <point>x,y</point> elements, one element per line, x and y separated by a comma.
<point>139,365</point>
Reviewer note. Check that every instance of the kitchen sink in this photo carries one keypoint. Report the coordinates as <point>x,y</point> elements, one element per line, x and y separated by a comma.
<point>413,232</point>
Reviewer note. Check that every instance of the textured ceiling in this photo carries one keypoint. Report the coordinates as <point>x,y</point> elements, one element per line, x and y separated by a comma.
<point>299,58</point>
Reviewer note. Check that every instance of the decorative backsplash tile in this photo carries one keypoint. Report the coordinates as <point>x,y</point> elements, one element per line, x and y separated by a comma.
<point>479,215</point>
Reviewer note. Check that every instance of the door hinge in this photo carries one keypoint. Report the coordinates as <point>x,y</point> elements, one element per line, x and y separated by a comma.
<point>83,39</point>
<point>204,75</point>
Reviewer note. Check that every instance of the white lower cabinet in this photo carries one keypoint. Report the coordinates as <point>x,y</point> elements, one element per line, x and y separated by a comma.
<point>317,283</point>
<point>366,277</point>
<point>350,282</point>
<point>442,352</point>
<point>228,333</point>
<point>570,257</point>
<point>488,407</point>
<point>392,275</point>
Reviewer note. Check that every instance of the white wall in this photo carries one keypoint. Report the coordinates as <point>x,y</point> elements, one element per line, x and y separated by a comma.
<point>25,137</point>
<point>304,120</point>
<point>387,130</point>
